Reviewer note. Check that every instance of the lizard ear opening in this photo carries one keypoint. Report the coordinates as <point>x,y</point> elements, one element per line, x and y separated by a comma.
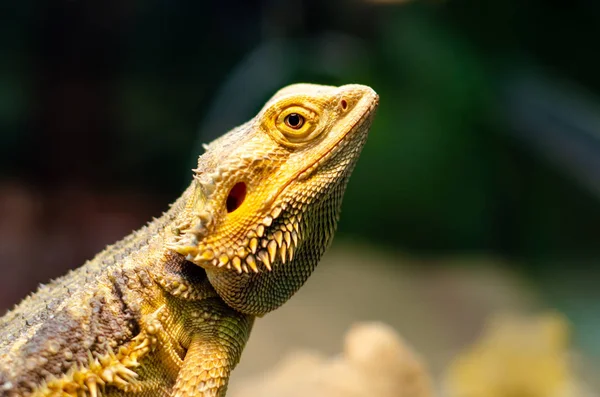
<point>236,197</point>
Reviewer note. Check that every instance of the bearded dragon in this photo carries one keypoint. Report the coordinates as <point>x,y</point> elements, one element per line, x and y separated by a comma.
<point>168,310</point>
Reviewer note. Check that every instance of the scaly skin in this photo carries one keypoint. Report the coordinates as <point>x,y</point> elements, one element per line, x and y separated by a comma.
<point>168,310</point>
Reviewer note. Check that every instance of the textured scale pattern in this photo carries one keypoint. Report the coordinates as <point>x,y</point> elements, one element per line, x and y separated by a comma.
<point>167,311</point>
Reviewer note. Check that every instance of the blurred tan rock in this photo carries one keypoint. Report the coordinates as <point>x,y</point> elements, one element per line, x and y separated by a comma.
<point>375,362</point>
<point>517,356</point>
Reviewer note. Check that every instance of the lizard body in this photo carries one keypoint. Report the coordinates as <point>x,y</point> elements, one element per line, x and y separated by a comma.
<point>167,310</point>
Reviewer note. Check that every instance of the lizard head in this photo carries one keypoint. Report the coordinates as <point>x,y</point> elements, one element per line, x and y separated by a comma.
<point>266,196</point>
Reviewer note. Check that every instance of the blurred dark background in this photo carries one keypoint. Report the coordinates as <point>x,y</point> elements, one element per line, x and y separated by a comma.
<point>486,143</point>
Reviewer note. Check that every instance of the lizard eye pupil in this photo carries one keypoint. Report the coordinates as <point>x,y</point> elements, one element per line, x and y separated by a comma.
<point>236,196</point>
<point>294,120</point>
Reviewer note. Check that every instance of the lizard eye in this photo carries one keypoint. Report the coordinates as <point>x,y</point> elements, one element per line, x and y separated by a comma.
<point>297,124</point>
<point>294,120</point>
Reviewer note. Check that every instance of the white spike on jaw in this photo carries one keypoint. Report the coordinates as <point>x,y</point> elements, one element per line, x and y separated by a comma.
<point>237,264</point>
<point>220,172</point>
<point>205,217</point>
<point>92,386</point>
<point>253,244</point>
<point>288,239</point>
<point>207,255</point>
<point>278,236</point>
<point>209,187</point>
<point>263,256</point>
<point>223,260</point>
<point>272,250</point>
<point>282,253</point>
<point>217,177</point>
<point>207,181</point>
<point>251,261</point>
<point>199,230</point>
<point>191,241</point>
<point>276,212</point>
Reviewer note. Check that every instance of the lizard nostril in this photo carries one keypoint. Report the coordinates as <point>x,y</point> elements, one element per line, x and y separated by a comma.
<point>236,196</point>
<point>344,104</point>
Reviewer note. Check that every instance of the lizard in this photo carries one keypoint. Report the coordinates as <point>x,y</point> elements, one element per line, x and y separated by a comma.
<point>167,310</point>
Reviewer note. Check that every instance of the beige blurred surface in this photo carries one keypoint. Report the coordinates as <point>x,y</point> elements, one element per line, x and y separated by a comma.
<point>437,309</point>
<point>375,361</point>
<point>518,355</point>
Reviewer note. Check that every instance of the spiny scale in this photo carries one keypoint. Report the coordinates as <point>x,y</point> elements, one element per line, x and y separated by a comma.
<point>110,369</point>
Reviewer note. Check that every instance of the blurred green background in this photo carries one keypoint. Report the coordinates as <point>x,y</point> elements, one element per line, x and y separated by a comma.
<point>486,143</point>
